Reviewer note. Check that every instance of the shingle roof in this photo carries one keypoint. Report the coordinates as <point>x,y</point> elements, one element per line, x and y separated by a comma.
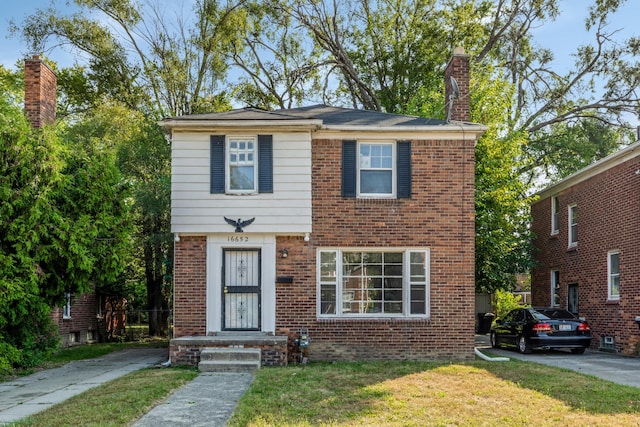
<point>330,116</point>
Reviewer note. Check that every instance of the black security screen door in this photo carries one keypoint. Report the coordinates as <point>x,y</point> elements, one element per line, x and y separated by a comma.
<point>241,290</point>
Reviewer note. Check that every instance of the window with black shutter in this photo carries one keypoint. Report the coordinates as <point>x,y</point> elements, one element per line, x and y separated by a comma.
<point>241,165</point>
<point>376,169</point>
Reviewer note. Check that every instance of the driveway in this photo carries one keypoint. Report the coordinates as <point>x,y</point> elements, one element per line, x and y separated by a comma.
<point>609,366</point>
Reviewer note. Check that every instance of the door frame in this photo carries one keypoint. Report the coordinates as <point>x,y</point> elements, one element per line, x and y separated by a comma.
<point>216,243</point>
<point>575,286</point>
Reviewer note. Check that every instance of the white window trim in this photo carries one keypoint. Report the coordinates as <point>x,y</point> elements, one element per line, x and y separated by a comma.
<point>554,285</point>
<point>227,166</point>
<point>610,295</point>
<point>394,171</point>
<point>555,223</point>
<point>66,309</point>
<point>569,229</point>
<point>406,282</point>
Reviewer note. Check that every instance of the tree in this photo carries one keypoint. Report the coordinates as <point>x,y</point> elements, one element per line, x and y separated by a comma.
<point>28,175</point>
<point>386,56</point>
<point>136,56</point>
<point>63,226</point>
<point>138,59</point>
<point>390,56</point>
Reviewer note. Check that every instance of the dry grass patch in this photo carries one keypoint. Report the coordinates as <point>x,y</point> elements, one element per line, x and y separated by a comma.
<point>431,394</point>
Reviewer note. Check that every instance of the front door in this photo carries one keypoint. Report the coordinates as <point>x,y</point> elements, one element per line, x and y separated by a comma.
<point>572,298</point>
<point>241,290</point>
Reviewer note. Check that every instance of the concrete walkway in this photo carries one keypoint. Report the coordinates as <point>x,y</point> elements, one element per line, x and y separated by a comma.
<point>208,400</point>
<point>34,393</point>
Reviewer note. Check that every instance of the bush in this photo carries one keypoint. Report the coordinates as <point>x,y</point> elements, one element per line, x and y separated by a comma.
<point>505,301</point>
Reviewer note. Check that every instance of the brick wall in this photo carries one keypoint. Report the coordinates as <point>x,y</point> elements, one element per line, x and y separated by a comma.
<point>438,216</point>
<point>82,327</point>
<point>608,219</point>
<point>39,92</point>
<point>190,288</point>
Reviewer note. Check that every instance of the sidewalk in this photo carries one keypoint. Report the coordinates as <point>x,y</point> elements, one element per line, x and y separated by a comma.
<point>34,393</point>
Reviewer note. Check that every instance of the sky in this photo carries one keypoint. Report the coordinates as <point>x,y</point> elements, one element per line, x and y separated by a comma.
<point>561,36</point>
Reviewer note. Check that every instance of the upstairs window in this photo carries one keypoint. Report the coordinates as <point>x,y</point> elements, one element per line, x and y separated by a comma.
<point>555,213</point>
<point>241,165</point>
<point>376,173</point>
<point>376,169</point>
<point>613,267</point>
<point>573,225</point>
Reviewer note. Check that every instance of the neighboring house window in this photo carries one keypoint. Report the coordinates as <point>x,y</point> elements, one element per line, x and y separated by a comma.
<point>613,268</point>
<point>555,288</point>
<point>555,209</point>
<point>390,283</point>
<point>241,165</point>
<point>573,225</point>
<point>66,311</point>
<point>376,169</point>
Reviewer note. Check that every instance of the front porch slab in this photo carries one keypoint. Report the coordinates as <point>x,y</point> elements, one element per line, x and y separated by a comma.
<point>186,350</point>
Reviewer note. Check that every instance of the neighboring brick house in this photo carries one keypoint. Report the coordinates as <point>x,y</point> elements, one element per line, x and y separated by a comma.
<point>357,226</point>
<point>588,259</point>
<point>77,320</point>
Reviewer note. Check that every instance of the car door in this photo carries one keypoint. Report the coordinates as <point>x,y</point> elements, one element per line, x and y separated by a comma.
<point>504,329</point>
<point>515,326</point>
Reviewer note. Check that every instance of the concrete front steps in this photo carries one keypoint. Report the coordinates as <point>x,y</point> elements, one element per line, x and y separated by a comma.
<point>229,359</point>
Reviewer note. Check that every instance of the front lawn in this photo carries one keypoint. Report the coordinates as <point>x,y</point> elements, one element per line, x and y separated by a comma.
<point>434,394</point>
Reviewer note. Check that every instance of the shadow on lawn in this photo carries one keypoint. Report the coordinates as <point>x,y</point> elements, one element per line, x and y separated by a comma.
<point>579,391</point>
<point>349,392</point>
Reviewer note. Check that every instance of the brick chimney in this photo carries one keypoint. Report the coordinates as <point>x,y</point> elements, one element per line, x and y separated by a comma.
<point>39,92</point>
<point>457,106</point>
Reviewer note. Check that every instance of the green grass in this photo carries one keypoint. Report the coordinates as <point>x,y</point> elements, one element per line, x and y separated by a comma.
<point>116,403</point>
<point>476,393</point>
<point>434,394</point>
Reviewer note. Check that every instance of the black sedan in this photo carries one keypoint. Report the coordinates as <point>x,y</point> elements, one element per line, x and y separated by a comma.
<point>541,328</point>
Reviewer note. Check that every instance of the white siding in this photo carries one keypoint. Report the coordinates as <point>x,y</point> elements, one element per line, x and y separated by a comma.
<point>285,211</point>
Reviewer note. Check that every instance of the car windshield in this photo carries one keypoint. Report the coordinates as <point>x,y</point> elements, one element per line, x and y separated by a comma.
<point>556,313</point>
<point>539,315</point>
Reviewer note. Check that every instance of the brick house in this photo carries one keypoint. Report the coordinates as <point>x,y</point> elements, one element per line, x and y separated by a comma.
<point>588,260</point>
<point>76,321</point>
<point>355,226</point>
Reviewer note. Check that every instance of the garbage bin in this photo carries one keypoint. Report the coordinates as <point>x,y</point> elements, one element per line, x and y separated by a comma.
<point>484,322</point>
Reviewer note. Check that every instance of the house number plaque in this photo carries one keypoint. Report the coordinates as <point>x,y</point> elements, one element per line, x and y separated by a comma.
<point>238,239</point>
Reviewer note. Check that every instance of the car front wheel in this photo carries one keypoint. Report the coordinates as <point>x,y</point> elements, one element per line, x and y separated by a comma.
<point>523,346</point>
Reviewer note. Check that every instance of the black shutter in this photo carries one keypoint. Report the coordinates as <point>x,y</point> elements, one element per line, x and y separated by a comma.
<point>349,168</point>
<point>265,164</point>
<point>217,164</point>
<point>404,169</point>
